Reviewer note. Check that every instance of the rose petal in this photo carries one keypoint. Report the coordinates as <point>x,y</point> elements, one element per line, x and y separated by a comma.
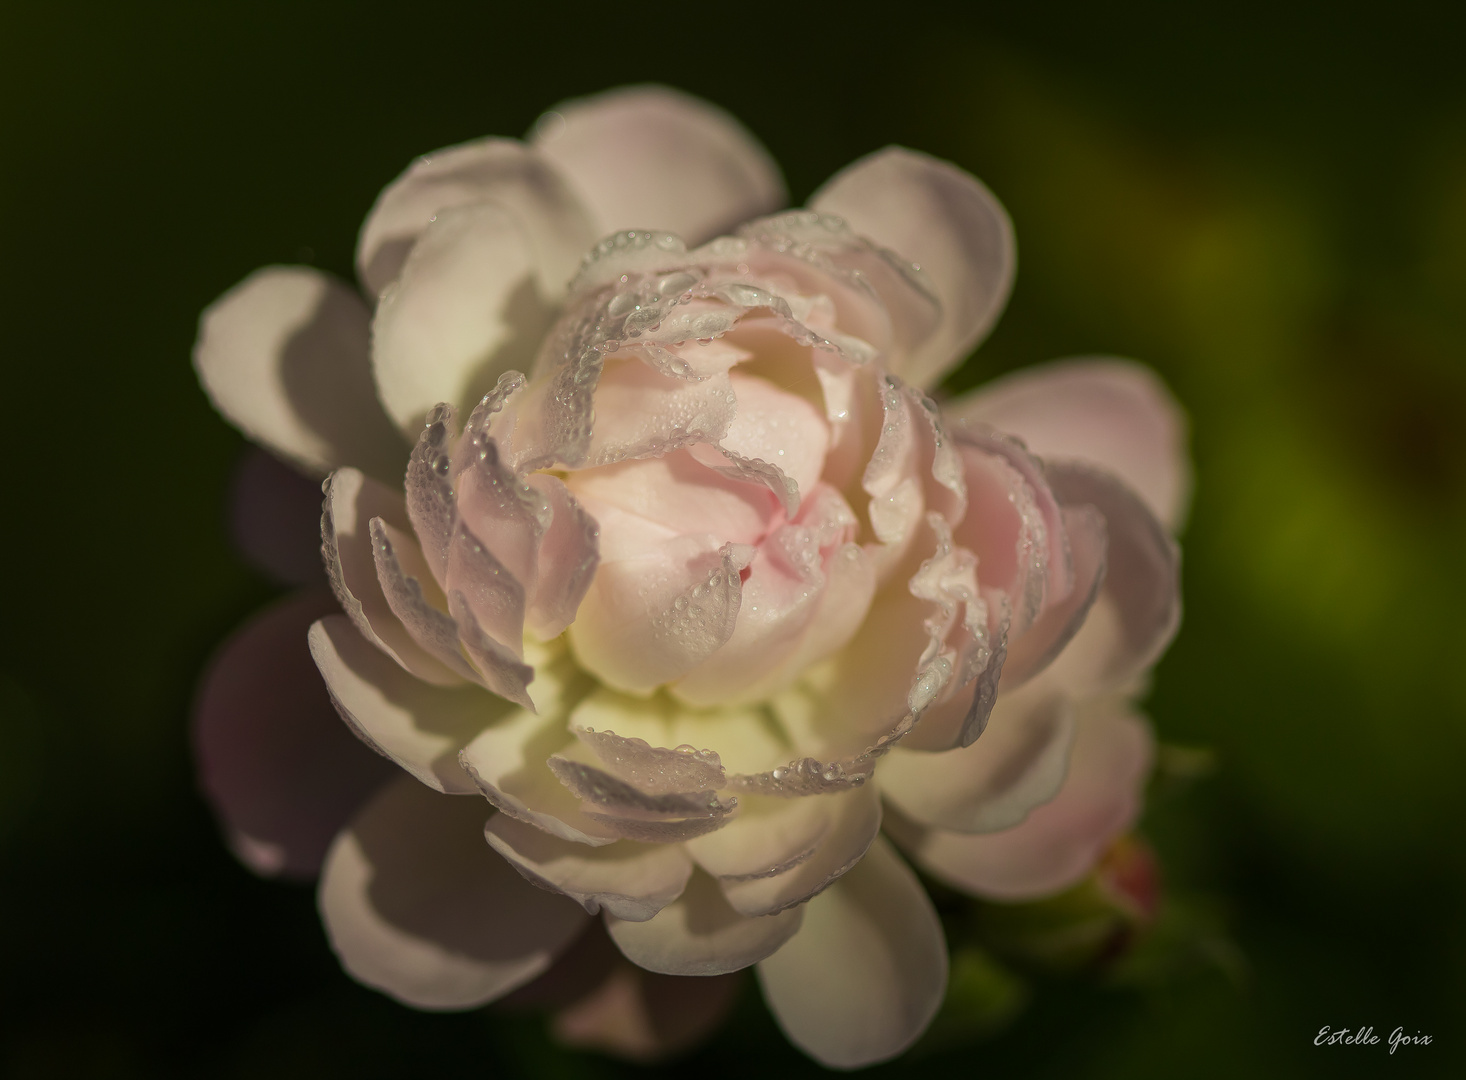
<point>493,594</point>
<point>474,301</point>
<point>1047,638</point>
<point>420,727</point>
<point>275,762</point>
<point>430,500</point>
<point>948,223</point>
<point>612,795</point>
<point>802,258</point>
<point>1059,842</point>
<point>651,157</point>
<point>646,621</point>
<point>414,597</point>
<point>841,707</point>
<point>699,934</point>
<point>568,555</point>
<point>640,411</point>
<point>1114,413</point>
<point>675,492</point>
<point>507,514</point>
<point>502,670</point>
<point>1019,763</point>
<point>892,479</point>
<point>1005,528</point>
<point>775,426</point>
<point>780,852</point>
<point>274,519</point>
<point>736,738</point>
<point>865,974</point>
<point>805,596</point>
<point>283,355</point>
<point>632,881</point>
<point>502,171</point>
<point>842,606</point>
<point>895,307</point>
<point>656,770</point>
<point>1058,571</point>
<point>508,763</point>
<point>353,500</point>
<point>1139,607</point>
<point>418,907</point>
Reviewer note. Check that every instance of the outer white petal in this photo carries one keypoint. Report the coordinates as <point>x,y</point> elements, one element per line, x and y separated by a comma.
<point>699,934</point>
<point>283,355</point>
<point>947,222</point>
<point>865,974</point>
<point>508,764</point>
<point>630,880</point>
<point>647,157</point>
<point>474,300</point>
<point>419,726</point>
<point>1113,413</point>
<point>416,905</point>
<point>1138,609</point>
<point>1059,842</point>
<point>503,171</point>
<point>1018,763</point>
<point>779,852</point>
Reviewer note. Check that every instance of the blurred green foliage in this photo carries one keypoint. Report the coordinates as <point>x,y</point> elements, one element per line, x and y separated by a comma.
<point>1267,202</point>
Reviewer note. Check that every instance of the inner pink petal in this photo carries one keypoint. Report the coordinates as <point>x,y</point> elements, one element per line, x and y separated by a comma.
<point>679,493</point>
<point>774,425</point>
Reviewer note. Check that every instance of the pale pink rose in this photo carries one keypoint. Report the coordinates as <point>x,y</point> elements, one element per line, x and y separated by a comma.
<point>687,576</point>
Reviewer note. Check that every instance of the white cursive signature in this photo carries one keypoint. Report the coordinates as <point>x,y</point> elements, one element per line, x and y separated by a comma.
<point>1366,1037</point>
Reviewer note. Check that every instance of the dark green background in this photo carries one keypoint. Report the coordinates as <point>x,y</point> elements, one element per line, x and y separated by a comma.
<point>1266,201</point>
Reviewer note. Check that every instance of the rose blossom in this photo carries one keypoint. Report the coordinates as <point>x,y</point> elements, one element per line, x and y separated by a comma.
<point>686,574</point>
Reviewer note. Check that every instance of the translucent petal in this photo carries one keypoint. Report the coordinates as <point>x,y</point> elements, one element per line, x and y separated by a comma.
<point>396,554</point>
<point>493,594</point>
<point>568,554</point>
<point>353,501</point>
<point>430,502</point>
<point>657,770</point>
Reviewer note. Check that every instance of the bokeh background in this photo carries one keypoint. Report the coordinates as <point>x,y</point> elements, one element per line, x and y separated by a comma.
<point>1264,200</point>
